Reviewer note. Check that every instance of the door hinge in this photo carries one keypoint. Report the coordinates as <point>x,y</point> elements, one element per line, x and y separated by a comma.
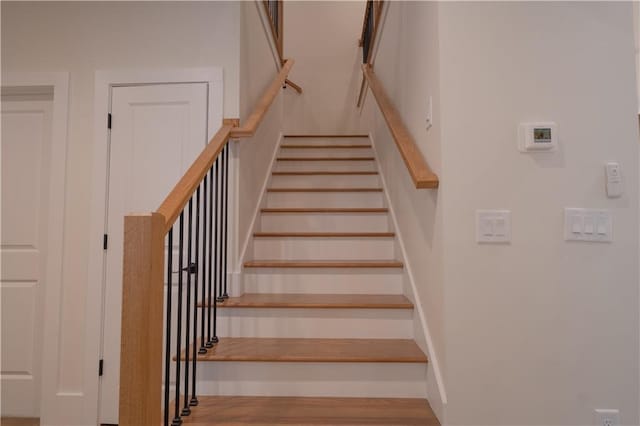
<point>108,120</point>
<point>105,241</point>
<point>100,367</point>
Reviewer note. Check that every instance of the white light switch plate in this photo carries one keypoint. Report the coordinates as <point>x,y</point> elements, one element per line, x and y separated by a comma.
<point>588,225</point>
<point>493,226</point>
<point>614,180</point>
<point>429,119</point>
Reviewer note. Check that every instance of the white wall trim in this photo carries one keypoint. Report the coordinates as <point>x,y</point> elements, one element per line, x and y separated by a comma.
<point>104,80</point>
<point>53,398</point>
<point>433,359</point>
<point>259,205</point>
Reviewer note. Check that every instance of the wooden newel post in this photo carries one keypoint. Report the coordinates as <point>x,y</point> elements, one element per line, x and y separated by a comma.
<point>142,321</point>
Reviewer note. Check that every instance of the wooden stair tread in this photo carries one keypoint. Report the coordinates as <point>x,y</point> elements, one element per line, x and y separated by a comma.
<point>321,301</point>
<point>324,234</point>
<point>324,173</point>
<point>302,411</point>
<point>19,421</point>
<point>326,136</point>
<point>324,189</point>
<point>323,210</point>
<point>325,158</point>
<point>328,146</point>
<point>323,264</point>
<point>259,349</point>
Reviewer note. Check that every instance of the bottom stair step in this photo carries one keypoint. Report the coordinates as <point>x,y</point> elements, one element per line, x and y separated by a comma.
<point>250,410</point>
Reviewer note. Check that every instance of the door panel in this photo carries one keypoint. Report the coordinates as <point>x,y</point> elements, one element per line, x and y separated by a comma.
<point>26,135</point>
<point>157,132</point>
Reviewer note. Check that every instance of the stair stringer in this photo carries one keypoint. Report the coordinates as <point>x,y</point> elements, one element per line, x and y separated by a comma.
<point>422,336</point>
<point>247,246</point>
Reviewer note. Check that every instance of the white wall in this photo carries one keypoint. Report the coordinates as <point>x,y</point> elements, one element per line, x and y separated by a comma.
<point>539,331</point>
<point>322,36</point>
<point>258,68</point>
<point>82,37</point>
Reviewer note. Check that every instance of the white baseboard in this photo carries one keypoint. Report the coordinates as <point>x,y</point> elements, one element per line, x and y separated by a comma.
<point>433,359</point>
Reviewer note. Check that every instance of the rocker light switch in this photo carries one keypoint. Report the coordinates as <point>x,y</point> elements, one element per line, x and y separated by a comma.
<point>576,225</point>
<point>500,227</point>
<point>493,226</point>
<point>588,225</point>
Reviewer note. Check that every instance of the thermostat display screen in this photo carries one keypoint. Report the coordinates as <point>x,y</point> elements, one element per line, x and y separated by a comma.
<point>542,135</point>
<point>537,137</point>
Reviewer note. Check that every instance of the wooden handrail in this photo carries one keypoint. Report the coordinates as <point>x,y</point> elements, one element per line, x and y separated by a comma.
<point>179,196</point>
<point>418,168</point>
<point>250,126</point>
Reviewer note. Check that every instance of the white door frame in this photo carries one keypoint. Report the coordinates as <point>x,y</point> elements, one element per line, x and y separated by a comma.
<point>50,394</point>
<point>104,81</point>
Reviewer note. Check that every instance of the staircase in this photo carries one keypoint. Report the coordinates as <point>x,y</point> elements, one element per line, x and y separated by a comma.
<point>323,333</point>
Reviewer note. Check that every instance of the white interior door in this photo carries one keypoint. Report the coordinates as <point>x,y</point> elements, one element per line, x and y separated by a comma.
<point>157,131</point>
<point>26,138</point>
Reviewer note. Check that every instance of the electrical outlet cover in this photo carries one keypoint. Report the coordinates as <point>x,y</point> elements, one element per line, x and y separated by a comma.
<point>607,417</point>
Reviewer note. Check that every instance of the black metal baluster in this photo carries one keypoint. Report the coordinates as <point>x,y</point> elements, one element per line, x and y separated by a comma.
<point>217,220</point>
<point>212,308</point>
<point>219,240</point>
<point>368,32</point>
<point>167,352</point>
<point>225,239</point>
<point>176,418</point>
<point>211,270</point>
<point>186,410</point>
<point>203,349</point>
<point>216,283</point>
<point>194,398</point>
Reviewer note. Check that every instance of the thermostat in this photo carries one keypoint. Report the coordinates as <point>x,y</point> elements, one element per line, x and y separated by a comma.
<point>537,137</point>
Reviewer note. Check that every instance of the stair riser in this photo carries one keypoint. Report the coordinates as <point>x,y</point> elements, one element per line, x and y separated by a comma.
<point>326,141</point>
<point>323,222</point>
<point>325,166</point>
<point>325,199</point>
<point>323,281</point>
<point>312,379</point>
<point>325,181</point>
<point>291,248</point>
<point>325,152</point>
<point>315,323</point>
